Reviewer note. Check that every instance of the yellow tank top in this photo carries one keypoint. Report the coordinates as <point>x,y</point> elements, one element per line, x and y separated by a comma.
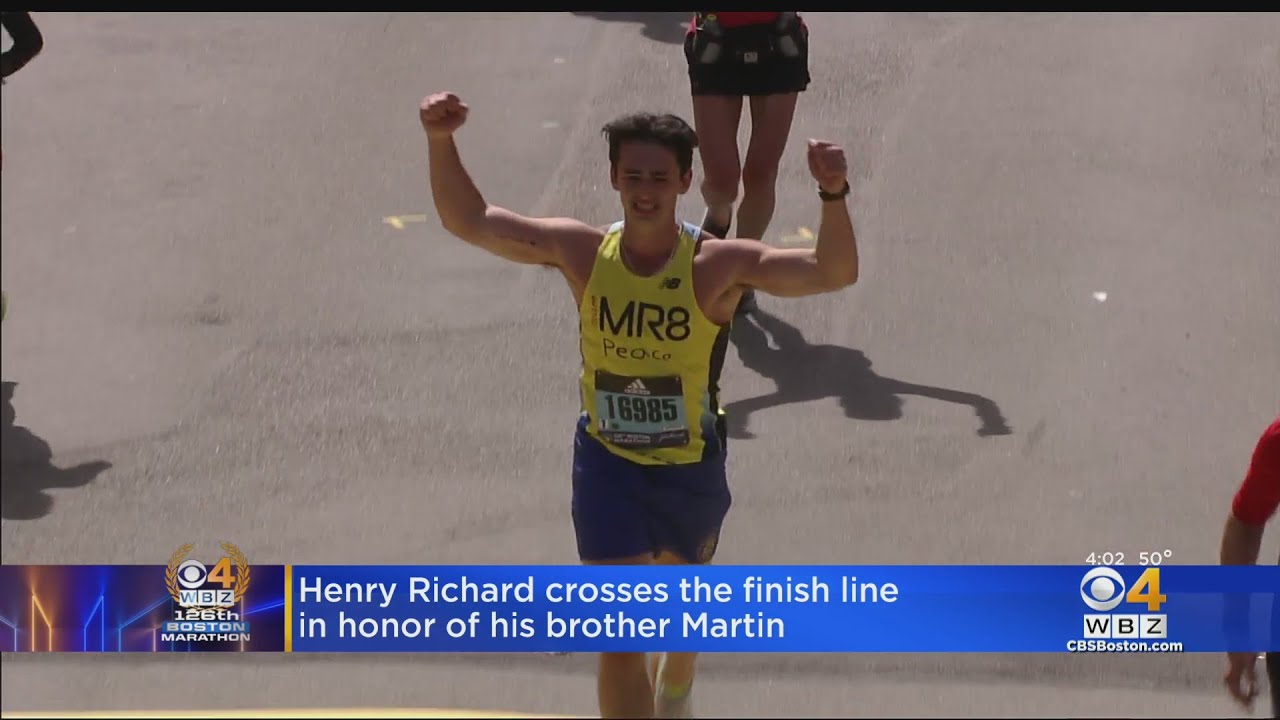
<point>651,360</point>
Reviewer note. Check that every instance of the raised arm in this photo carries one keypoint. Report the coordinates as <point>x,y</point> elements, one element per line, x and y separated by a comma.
<point>1252,507</point>
<point>27,41</point>
<point>466,214</point>
<point>832,263</point>
<point>1255,502</point>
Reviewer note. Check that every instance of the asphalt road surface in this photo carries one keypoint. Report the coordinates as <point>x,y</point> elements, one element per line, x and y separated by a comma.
<point>1068,226</point>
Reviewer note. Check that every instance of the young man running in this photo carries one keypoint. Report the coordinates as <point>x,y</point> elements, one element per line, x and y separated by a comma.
<point>655,299</point>
<point>731,56</point>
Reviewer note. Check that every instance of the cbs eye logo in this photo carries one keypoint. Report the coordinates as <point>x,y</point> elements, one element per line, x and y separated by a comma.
<point>1103,589</point>
<point>192,574</point>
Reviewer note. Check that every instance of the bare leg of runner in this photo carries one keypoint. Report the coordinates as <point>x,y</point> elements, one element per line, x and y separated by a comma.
<point>622,682</point>
<point>771,117</point>
<point>673,671</point>
<point>716,118</point>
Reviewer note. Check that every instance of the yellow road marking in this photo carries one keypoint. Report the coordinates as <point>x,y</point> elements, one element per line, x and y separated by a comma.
<point>288,608</point>
<point>803,236</point>
<point>288,713</point>
<point>398,221</point>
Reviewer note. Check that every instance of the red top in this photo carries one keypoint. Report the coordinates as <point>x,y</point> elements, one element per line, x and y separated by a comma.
<point>738,19</point>
<point>1259,495</point>
<point>742,19</point>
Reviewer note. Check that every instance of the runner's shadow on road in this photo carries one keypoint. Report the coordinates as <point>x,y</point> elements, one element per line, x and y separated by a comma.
<point>665,27</point>
<point>28,471</point>
<point>805,372</point>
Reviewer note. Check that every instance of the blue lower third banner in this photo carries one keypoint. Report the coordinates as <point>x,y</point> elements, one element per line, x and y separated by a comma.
<point>227,606</point>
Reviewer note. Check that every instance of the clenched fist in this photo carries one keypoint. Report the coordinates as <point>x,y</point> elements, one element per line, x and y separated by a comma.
<point>827,163</point>
<point>442,114</point>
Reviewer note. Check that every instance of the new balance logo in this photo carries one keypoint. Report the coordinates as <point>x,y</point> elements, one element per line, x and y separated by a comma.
<point>637,388</point>
<point>670,283</point>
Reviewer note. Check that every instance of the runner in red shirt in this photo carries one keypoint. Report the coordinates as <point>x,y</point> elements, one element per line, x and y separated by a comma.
<point>731,56</point>
<point>1253,506</point>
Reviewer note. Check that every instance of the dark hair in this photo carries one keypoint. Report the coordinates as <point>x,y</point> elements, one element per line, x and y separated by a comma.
<point>669,131</point>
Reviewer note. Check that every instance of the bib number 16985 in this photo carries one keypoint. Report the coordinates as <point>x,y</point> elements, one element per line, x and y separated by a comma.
<point>641,412</point>
<point>629,408</point>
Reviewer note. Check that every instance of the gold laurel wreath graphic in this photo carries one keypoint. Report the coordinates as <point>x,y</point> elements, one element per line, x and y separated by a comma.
<point>242,568</point>
<point>171,572</point>
<point>176,560</point>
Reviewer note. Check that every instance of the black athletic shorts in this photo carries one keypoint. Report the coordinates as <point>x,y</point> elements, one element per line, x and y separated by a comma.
<point>749,62</point>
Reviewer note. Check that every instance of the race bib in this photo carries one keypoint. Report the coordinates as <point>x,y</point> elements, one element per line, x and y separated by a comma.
<point>641,412</point>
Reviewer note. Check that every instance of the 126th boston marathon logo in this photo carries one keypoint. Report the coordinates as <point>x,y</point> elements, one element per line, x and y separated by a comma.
<point>638,323</point>
<point>205,597</point>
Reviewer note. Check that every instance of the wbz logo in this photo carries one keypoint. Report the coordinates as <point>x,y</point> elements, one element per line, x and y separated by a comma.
<point>195,586</point>
<point>1103,590</point>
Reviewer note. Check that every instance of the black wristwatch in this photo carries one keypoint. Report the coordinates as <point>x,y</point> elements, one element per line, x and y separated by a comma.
<point>840,194</point>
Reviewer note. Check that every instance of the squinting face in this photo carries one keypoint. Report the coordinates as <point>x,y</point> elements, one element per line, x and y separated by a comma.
<point>648,179</point>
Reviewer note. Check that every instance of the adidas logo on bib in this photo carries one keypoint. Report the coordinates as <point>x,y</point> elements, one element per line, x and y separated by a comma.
<point>637,388</point>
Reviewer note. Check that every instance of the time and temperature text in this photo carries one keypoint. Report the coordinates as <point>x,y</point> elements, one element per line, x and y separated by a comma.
<point>1117,557</point>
